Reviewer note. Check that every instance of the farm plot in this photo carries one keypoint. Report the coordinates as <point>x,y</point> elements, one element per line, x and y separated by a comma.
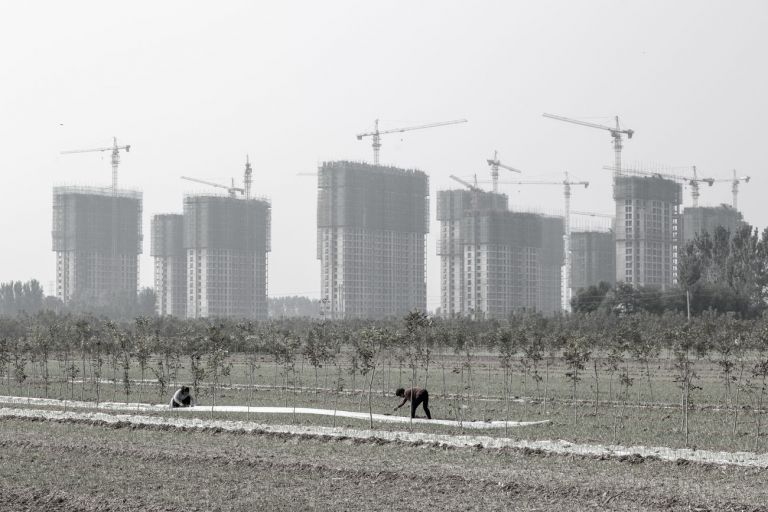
<point>179,420</point>
<point>604,379</point>
<point>598,409</point>
<point>76,466</point>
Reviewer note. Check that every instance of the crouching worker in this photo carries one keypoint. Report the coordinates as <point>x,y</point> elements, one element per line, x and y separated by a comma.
<point>182,398</point>
<point>417,396</point>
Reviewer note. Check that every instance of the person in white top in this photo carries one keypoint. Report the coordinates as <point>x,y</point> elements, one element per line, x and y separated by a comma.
<point>182,398</point>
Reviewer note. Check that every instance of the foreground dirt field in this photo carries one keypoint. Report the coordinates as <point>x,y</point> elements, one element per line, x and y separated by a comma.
<point>68,466</point>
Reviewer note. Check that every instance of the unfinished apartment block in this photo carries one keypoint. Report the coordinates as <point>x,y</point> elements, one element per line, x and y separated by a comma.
<point>705,219</point>
<point>647,230</point>
<point>97,238</point>
<point>226,241</point>
<point>494,261</point>
<point>167,249</point>
<point>372,223</point>
<point>593,259</point>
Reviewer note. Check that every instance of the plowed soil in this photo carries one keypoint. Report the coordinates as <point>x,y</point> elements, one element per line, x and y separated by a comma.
<point>47,465</point>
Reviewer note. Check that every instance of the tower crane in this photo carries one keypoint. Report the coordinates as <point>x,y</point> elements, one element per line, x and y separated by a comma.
<point>474,188</point>
<point>593,214</point>
<point>115,149</point>
<point>495,164</point>
<point>693,182</point>
<point>616,133</point>
<point>231,190</point>
<point>734,186</point>
<point>471,187</point>
<point>376,133</point>
<point>567,183</point>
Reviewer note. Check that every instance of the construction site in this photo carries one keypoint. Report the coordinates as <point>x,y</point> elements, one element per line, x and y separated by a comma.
<point>97,238</point>
<point>706,219</point>
<point>211,261</point>
<point>170,258</point>
<point>494,261</point>
<point>647,230</point>
<point>372,223</point>
<point>698,220</point>
<point>226,240</point>
<point>593,259</point>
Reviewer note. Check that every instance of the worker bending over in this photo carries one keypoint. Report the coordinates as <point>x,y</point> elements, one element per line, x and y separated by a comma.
<point>417,396</point>
<point>182,398</point>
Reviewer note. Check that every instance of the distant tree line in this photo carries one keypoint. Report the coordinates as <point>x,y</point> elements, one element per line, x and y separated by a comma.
<point>722,271</point>
<point>28,298</point>
<point>295,306</point>
<point>17,297</point>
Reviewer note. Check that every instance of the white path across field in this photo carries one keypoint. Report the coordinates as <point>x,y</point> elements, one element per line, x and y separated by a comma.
<point>746,459</point>
<point>385,418</point>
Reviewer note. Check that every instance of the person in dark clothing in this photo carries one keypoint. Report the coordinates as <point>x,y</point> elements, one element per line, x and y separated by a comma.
<point>417,396</point>
<point>182,398</point>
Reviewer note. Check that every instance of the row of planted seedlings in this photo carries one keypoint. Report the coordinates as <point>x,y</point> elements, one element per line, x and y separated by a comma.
<point>597,364</point>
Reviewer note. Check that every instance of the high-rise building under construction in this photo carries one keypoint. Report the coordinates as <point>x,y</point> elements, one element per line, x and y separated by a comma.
<point>167,249</point>
<point>706,219</point>
<point>647,230</point>
<point>97,238</point>
<point>372,223</point>
<point>593,259</point>
<point>226,241</point>
<point>494,261</point>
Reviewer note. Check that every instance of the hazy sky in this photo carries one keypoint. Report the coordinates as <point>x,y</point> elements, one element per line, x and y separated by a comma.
<point>194,86</point>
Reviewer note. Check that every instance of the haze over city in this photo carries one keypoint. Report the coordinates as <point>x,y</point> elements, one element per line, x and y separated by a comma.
<point>194,90</point>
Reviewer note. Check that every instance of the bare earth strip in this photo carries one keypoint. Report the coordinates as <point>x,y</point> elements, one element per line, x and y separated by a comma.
<point>743,459</point>
<point>118,406</point>
<point>71,465</point>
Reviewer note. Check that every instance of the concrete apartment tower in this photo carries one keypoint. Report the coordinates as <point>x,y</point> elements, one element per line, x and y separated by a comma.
<point>97,238</point>
<point>226,241</point>
<point>647,230</point>
<point>494,261</point>
<point>167,248</point>
<point>372,223</point>
<point>701,219</point>
<point>593,259</point>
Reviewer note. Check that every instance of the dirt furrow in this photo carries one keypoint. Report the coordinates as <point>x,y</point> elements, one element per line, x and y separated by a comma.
<point>518,490</point>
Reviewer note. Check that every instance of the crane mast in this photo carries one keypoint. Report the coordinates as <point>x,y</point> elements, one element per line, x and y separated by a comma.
<point>694,183</point>
<point>735,189</point>
<point>376,133</point>
<point>247,178</point>
<point>115,149</point>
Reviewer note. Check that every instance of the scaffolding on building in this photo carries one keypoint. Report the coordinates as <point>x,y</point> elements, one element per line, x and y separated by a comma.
<point>495,261</point>
<point>97,236</point>
<point>372,222</point>
<point>226,240</point>
<point>648,230</point>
